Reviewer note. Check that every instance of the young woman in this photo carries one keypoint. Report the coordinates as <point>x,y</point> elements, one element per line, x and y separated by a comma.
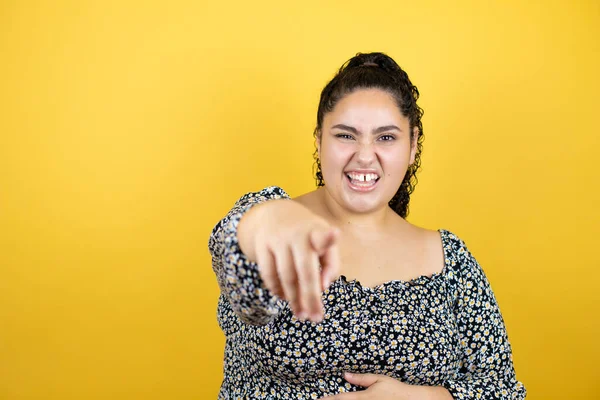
<point>334,294</point>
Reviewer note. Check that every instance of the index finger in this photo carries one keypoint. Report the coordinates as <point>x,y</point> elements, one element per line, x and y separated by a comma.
<point>330,265</point>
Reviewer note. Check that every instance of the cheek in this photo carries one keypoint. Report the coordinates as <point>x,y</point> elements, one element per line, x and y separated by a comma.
<point>335,158</point>
<point>394,162</point>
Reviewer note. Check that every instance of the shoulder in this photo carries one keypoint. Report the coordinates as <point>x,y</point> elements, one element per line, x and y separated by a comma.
<point>245,202</point>
<point>425,244</point>
<point>429,240</point>
<point>313,201</point>
<point>453,244</point>
<point>461,265</point>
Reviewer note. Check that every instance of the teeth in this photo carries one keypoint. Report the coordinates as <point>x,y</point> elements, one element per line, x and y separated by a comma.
<point>363,177</point>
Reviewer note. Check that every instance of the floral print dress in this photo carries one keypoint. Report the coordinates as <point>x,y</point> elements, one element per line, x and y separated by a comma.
<point>443,330</point>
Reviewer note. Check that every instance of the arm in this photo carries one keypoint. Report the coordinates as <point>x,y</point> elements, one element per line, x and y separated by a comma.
<point>237,276</point>
<point>486,370</point>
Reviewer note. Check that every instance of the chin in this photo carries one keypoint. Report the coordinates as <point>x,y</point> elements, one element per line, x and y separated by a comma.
<point>363,204</point>
<point>360,200</point>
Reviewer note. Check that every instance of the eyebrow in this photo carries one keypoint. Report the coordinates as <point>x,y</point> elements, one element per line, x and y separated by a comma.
<point>375,131</point>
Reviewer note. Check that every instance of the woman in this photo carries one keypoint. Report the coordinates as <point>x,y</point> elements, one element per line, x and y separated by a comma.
<point>418,318</point>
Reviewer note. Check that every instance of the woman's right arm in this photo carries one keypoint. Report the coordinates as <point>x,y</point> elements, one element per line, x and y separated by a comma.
<point>237,275</point>
<point>288,242</point>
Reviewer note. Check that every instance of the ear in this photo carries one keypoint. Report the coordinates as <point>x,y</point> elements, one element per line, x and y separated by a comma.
<point>413,144</point>
<point>318,143</point>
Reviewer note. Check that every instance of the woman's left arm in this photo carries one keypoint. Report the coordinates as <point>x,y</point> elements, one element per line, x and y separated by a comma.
<point>486,370</point>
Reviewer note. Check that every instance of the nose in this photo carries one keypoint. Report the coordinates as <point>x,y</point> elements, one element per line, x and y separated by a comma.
<point>365,154</point>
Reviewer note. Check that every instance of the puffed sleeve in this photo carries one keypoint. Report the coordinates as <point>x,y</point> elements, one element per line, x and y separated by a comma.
<point>486,370</point>
<point>237,276</point>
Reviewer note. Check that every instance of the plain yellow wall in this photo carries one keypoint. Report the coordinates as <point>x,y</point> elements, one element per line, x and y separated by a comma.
<point>128,128</point>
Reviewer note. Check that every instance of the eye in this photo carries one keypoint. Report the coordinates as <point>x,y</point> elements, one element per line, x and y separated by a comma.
<point>344,136</point>
<point>387,138</point>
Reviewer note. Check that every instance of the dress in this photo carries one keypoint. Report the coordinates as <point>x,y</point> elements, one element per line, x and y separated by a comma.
<point>443,330</point>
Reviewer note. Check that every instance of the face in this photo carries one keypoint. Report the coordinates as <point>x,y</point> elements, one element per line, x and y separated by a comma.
<point>365,149</point>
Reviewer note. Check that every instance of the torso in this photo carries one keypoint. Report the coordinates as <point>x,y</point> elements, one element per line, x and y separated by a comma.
<point>400,251</point>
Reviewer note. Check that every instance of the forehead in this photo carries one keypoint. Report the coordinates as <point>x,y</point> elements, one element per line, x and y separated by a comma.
<point>366,107</point>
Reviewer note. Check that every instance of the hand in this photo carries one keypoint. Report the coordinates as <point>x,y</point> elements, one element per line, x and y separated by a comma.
<point>379,387</point>
<point>289,243</point>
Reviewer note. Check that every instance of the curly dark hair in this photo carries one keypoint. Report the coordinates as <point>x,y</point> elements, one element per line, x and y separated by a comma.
<point>368,71</point>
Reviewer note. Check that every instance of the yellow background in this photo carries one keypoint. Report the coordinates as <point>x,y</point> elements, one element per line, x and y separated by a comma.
<point>128,128</point>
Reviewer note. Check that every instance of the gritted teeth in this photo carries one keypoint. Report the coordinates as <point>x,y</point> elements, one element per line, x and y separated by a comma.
<point>362,177</point>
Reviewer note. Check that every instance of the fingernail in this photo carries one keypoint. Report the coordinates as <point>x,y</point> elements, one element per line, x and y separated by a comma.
<point>302,316</point>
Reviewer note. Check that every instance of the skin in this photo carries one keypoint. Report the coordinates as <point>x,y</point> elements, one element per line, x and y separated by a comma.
<point>365,131</point>
<point>290,240</point>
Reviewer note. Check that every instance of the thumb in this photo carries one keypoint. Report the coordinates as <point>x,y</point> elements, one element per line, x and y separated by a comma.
<point>322,239</point>
<point>364,380</point>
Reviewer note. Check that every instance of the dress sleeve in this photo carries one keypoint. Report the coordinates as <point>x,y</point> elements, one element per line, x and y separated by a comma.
<point>486,370</point>
<point>237,276</point>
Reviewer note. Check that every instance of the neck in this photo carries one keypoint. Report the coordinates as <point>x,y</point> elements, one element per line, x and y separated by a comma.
<point>367,222</point>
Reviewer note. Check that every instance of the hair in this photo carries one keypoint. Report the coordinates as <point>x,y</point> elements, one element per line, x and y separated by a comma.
<point>376,71</point>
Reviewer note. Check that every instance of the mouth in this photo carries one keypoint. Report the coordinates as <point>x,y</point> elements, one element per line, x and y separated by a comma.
<point>362,182</point>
